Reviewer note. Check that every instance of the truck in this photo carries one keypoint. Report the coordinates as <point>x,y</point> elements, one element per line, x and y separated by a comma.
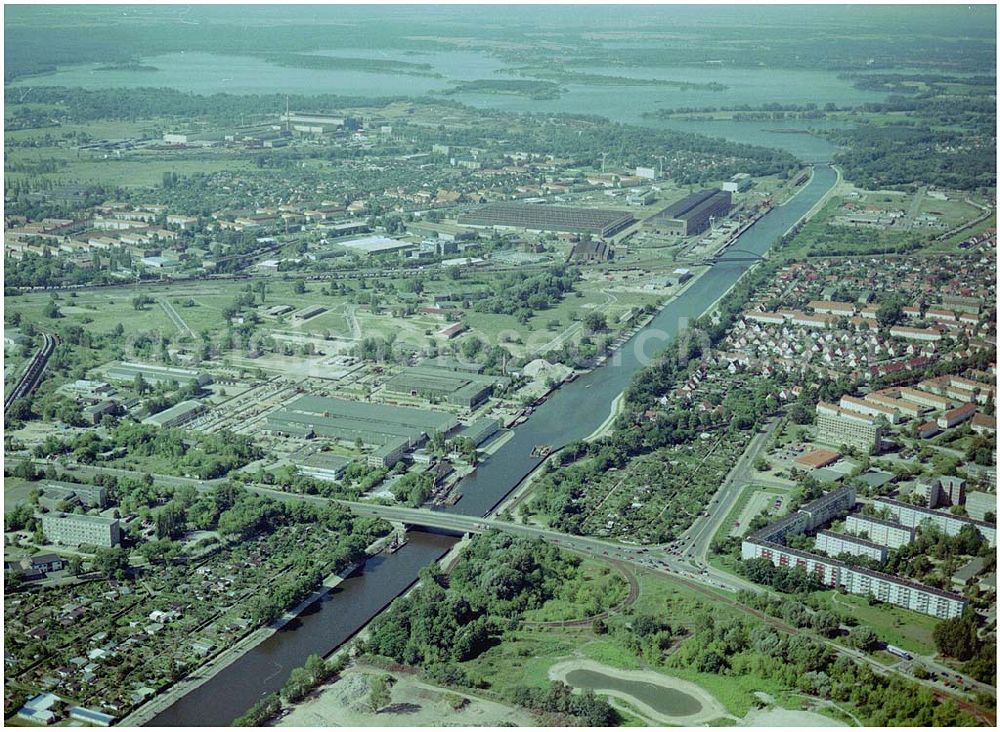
<point>896,651</point>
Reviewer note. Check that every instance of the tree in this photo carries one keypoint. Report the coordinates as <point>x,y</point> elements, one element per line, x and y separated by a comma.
<point>20,410</point>
<point>52,310</point>
<point>595,322</point>
<point>826,623</point>
<point>889,312</point>
<point>379,695</point>
<point>863,638</point>
<point>112,563</point>
<point>299,683</point>
<point>170,521</point>
<point>957,637</point>
<point>25,470</point>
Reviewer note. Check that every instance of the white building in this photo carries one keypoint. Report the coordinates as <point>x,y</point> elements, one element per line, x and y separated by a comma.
<point>75,529</point>
<point>913,516</point>
<point>887,533</point>
<point>834,545</point>
<point>883,587</point>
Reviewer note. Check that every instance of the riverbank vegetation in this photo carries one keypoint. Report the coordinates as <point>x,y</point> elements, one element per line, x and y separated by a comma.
<point>532,88</point>
<point>449,620</point>
<point>569,76</point>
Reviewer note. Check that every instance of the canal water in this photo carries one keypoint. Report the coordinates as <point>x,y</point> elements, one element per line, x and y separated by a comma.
<point>571,413</point>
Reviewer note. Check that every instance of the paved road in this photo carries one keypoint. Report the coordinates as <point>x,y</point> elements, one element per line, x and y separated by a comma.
<point>699,537</point>
<point>650,558</point>
<point>911,214</point>
<point>645,558</point>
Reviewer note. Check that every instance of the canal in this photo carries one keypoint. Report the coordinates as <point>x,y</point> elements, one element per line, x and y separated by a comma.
<point>571,413</point>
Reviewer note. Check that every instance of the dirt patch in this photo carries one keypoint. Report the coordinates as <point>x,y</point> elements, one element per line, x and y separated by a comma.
<point>778,717</point>
<point>414,703</point>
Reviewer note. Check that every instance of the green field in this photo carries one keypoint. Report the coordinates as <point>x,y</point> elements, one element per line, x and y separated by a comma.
<point>892,624</point>
<point>525,656</point>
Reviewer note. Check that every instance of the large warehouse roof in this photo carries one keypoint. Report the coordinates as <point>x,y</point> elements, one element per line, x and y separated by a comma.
<point>549,218</point>
<point>154,373</point>
<point>691,205</point>
<point>373,423</point>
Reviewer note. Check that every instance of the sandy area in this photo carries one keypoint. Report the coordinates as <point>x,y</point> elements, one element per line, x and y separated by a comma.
<point>710,706</point>
<point>414,704</point>
<point>777,717</point>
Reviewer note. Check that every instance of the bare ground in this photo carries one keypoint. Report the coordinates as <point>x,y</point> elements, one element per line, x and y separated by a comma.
<point>414,704</point>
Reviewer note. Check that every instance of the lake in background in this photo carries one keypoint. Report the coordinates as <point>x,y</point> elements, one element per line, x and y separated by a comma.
<point>204,73</point>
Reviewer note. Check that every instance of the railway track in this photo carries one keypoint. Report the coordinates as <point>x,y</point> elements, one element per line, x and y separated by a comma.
<point>33,375</point>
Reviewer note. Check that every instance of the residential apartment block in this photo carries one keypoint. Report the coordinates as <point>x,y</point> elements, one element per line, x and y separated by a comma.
<point>765,544</point>
<point>883,587</point>
<point>75,529</point>
<point>834,544</point>
<point>909,515</point>
<point>886,533</point>
<point>839,426</point>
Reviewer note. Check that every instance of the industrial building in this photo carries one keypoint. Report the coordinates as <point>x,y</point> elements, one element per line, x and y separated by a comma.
<point>387,455</point>
<point>375,244</point>
<point>692,214</point>
<point>454,364</point>
<point>454,387</point>
<point>180,413</point>
<point>94,413</point>
<point>481,430</point>
<point>536,217</point>
<point>586,252</point>
<point>323,466</point>
<point>373,424</point>
<point>312,123</point>
<point>154,374</point>
<point>77,529</point>
<point>838,426</point>
<point>738,183</point>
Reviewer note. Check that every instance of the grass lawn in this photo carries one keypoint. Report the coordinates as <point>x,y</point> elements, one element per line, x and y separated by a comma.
<point>525,656</point>
<point>893,625</point>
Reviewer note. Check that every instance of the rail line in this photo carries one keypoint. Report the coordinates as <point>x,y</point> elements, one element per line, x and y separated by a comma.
<point>33,375</point>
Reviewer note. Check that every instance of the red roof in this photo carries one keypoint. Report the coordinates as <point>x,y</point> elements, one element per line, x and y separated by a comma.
<point>960,411</point>
<point>984,420</point>
<point>818,458</point>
